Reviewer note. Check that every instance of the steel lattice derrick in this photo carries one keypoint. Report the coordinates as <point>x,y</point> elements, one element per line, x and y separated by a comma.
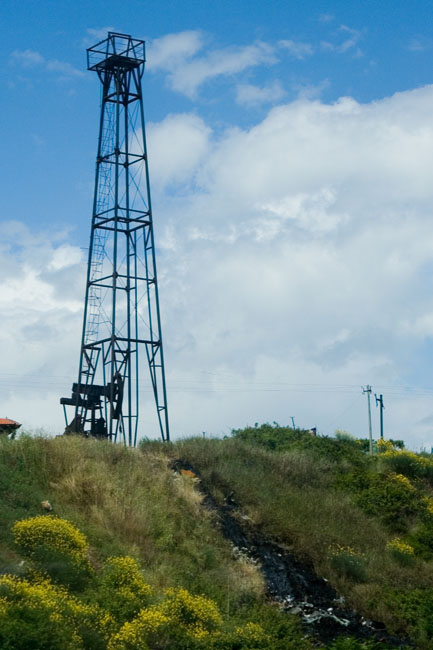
<point>122,322</point>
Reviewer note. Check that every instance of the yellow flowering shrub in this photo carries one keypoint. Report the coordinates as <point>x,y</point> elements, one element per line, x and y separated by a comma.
<point>397,544</point>
<point>338,549</point>
<point>141,633</point>
<point>347,562</point>
<point>428,505</point>
<point>408,463</point>
<point>53,533</point>
<point>196,615</point>
<point>40,614</point>
<point>384,446</point>
<point>401,480</point>
<point>180,615</point>
<point>401,551</point>
<point>122,589</point>
<point>55,546</point>
<point>251,634</point>
<point>391,496</point>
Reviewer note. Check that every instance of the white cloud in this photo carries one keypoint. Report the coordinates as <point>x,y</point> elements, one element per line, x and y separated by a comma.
<point>311,212</point>
<point>97,35</point>
<point>250,95</point>
<point>313,228</point>
<point>40,325</point>
<point>311,91</point>
<point>295,267</point>
<point>27,58</point>
<point>31,59</point>
<point>64,256</point>
<point>169,51</point>
<point>349,39</point>
<point>177,144</point>
<point>297,49</point>
<point>353,36</point>
<point>64,68</point>
<point>186,72</point>
<point>420,44</point>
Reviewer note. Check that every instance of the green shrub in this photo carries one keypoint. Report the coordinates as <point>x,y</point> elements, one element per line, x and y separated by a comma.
<point>413,610</point>
<point>276,438</point>
<point>391,497</point>
<point>421,539</point>
<point>347,563</point>
<point>402,552</point>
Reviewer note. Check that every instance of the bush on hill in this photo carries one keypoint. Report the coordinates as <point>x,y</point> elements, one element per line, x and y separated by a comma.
<point>318,494</point>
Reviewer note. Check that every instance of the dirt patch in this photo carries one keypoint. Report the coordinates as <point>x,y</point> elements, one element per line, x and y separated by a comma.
<point>293,584</point>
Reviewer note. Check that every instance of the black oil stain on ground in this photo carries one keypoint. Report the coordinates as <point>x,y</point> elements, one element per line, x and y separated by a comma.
<point>291,583</point>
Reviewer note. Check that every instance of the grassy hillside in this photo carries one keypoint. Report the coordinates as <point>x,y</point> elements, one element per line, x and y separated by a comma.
<point>365,524</point>
<point>127,504</point>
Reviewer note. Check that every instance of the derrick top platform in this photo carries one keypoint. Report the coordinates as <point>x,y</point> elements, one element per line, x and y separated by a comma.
<point>116,51</point>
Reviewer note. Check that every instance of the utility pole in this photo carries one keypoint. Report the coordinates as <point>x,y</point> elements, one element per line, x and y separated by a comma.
<point>292,417</point>
<point>379,400</point>
<point>367,390</point>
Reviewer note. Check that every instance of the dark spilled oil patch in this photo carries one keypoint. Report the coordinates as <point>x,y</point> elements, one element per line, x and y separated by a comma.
<point>291,583</point>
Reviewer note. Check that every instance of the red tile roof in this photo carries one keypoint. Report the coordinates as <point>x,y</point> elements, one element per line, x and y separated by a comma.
<point>9,423</point>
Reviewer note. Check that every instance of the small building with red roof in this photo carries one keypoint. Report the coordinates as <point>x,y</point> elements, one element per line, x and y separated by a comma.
<point>8,426</point>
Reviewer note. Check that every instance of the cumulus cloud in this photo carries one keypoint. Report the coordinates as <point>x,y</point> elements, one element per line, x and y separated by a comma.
<point>177,55</point>
<point>42,283</point>
<point>177,144</point>
<point>169,51</point>
<point>294,264</point>
<point>250,95</point>
<point>313,227</point>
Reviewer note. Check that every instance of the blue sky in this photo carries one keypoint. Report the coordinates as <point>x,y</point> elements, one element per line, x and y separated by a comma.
<point>368,50</point>
<point>291,154</point>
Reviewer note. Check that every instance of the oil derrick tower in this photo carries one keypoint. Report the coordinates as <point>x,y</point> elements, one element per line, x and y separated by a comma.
<point>122,324</point>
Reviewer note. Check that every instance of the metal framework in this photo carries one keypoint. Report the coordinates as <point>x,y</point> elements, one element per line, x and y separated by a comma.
<point>122,323</point>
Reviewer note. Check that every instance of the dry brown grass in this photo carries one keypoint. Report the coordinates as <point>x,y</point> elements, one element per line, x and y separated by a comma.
<point>129,502</point>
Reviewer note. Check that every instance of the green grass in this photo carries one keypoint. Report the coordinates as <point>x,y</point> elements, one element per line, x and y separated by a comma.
<point>131,503</point>
<point>126,503</point>
<point>306,492</point>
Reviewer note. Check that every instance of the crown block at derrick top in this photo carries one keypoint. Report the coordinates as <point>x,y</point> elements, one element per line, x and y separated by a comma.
<point>116,51</point>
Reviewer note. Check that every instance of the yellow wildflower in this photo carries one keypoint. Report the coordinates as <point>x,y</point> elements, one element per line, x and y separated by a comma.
<point>139,632</point>
<point>396,545</point>
<point>197,615</point>
<point>50,533</point>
